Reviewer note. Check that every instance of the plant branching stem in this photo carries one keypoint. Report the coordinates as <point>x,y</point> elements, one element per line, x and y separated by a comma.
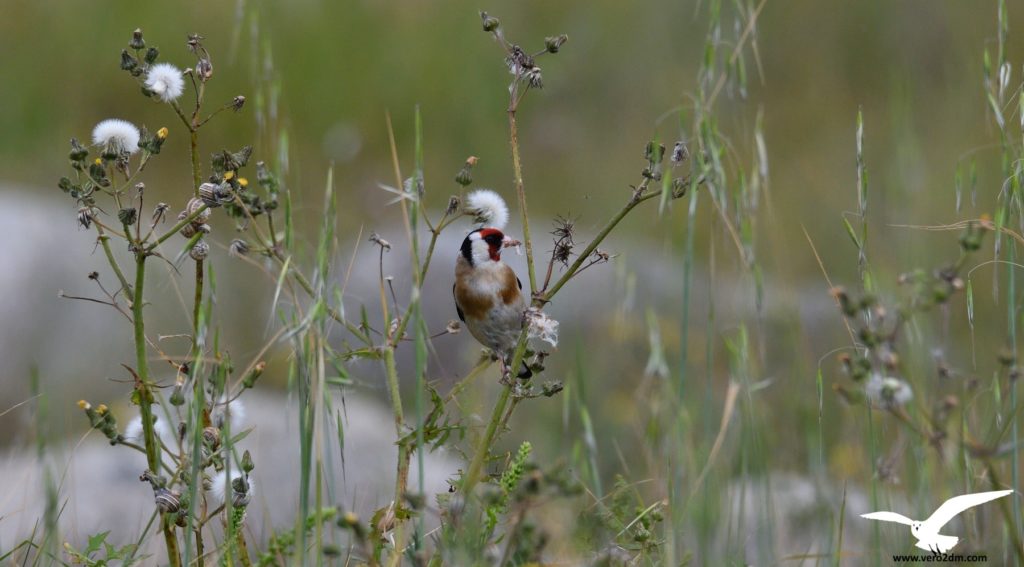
<point>517,171</point>
<point>145,397</point>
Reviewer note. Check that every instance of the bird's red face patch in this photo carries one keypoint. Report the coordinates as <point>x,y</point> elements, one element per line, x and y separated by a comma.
<point>494,238</point>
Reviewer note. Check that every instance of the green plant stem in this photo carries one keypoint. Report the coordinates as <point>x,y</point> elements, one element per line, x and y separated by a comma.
<point>197,303</point>
<point>105,244</point>
<point>145,398</point>
<point>176,228</point>
<point>608,227</point>
<point>396,407</point>
<point>243,548</point>
<point>517,171</point>
<point>196,174</point>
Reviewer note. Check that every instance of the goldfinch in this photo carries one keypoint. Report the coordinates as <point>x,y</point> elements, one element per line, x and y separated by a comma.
<point>488,295</point>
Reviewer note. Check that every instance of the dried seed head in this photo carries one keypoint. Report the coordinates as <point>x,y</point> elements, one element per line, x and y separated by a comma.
<point>137,41</point>
<point>453,327</point>
<point>238,247</point>
<point>680,152</point>
<point>453,205</point>
<point>237,103</point>
<point>200,251</point>
<point>204,69</point>
<point>533,77</point>
<point>376,239</point>
<point>85,217</point>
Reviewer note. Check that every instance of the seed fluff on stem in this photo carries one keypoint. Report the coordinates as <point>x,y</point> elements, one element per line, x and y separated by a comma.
<point>116,136</point>
<point>488,208</point>
<point>165,80</point>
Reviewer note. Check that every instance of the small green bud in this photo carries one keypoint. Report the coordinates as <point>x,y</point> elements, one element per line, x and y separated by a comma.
<point>151,54</point>
<point>654,152</point>
<point>178,396</point>
<point>465,175</point>
<point>553,44</point>
<point>247,464</point>
<point>490,24</point>
<point>78,151</point>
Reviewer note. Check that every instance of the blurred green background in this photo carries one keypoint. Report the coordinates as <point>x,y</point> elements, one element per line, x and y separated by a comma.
<point>326,73</point>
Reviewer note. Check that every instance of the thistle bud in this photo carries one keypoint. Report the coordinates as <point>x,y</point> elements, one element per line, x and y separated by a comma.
<point>178,396</point>
<point>490,23</point>
<point>654,152</point>
<point>128,62</point>
<point>137,42</point>
<point>199,251</point>
<point>78,151</point>
<point>250,379</point>
<point>465,175</point>
<point>127,216</point>
<point>247,464</point>
<point>553,44</point>
<point>151,55</point>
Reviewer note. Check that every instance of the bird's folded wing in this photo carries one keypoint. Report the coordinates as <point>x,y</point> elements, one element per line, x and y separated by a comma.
<point>952,507</point>
<point>888,517</point>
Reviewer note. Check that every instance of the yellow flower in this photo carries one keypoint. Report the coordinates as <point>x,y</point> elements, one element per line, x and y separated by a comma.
<point>162,133</point>
<point>243,182</point>
<point>99,161</point>
<point>101,409</point>
<point>82,404</point>
<point>228,175</point>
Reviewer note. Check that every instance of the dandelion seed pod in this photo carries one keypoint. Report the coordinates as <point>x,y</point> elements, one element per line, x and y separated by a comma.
<point>200,251</point>
<point>167,501</point>
<point>194,206</point>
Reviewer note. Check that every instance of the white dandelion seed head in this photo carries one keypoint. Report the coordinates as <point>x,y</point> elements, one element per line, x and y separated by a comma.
<point>888,392</point>
<point>223,485</point>
<point>166,81</point>
<point>234,411</point>
<point>488,208</point>
<point>541,326</point>
<point>116,135</point>
<point>163,430</point>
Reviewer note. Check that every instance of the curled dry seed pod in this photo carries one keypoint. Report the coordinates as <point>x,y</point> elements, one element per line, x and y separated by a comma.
<point>241,491</point>
<point>200,251</point>
<point>204,228</point>
<point>167,501</point>
<point>238,247</point>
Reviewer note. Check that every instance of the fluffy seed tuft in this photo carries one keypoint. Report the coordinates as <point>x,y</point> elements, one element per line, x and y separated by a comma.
<point>165,81</point>
<point>488,208</point>
<point>116,136</point>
